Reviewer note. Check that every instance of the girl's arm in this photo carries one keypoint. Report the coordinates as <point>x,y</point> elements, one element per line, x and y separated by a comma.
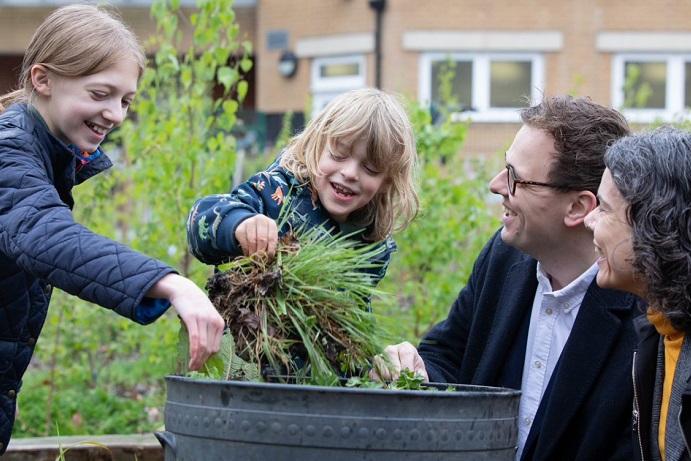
<point>204,324</point>
<point>40,237</point>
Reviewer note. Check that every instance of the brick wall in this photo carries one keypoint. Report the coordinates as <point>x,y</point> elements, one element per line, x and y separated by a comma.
<point>578,68</point>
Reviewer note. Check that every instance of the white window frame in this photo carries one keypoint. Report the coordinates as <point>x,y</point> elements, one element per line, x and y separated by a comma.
<point>482,112</point>
<point>324,89</point>
<point>674,97</point>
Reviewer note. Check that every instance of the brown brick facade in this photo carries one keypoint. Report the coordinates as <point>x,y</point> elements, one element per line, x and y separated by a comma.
<point>577,67</point>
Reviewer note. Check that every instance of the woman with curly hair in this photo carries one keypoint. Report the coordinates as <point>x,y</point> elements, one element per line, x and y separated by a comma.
<point>642,231</point>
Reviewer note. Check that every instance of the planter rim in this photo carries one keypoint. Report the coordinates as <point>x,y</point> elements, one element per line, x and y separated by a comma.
<point>268,420</point>
<point>465,390</point>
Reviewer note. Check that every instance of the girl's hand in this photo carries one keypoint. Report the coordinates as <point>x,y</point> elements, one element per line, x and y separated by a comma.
<point>257,235</point>
<point>204,323</point>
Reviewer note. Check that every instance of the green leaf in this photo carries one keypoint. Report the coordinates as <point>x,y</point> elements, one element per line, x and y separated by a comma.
<point>243,87</point>
<point>246,64</point>
<point>227,76</point>
<point>183,349</point>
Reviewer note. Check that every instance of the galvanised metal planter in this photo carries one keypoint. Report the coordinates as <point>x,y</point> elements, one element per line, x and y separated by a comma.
<point>232,420</point>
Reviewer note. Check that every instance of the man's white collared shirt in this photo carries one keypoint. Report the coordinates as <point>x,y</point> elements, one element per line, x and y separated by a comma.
<point>551,320</point>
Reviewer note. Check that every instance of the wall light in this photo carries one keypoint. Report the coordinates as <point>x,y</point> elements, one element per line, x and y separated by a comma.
<point>288,64</point>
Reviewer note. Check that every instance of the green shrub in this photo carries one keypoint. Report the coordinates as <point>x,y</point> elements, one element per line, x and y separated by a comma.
<point>95,372</point>
<point>437,251</point>
<point>175,148</point>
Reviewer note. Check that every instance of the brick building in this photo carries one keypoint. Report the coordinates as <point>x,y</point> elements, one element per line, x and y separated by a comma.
<point>306,51</point>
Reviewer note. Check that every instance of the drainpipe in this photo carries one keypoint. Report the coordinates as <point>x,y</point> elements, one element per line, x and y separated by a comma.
<point>378,6</point>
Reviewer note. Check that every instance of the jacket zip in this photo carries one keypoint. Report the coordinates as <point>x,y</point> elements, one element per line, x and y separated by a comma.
<point>636,405</point>
<point>683,434</point>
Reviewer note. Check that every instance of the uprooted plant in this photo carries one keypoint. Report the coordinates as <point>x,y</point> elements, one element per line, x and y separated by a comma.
<point>303,316</point>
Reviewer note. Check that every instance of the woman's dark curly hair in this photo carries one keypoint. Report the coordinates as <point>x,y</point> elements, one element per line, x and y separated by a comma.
<point>652,171</point>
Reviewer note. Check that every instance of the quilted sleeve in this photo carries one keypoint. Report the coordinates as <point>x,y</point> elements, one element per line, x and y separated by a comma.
<point>213,220</point>
<point>38,233</point>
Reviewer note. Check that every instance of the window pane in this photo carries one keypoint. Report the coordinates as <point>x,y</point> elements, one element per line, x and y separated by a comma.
<point>460,76</point>
<point>645,86</point>
<point>687,86</point>
<point>351,69</point>
<point>509,83</point>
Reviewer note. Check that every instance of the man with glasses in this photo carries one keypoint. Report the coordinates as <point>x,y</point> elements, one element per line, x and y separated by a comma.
<point>531,316</point>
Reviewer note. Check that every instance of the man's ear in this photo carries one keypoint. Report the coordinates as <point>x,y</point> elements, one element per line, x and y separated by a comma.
<point>41,79</point>
<point>581,205</point>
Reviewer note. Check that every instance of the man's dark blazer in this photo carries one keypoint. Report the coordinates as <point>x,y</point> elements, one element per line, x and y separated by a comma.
<point>588,414</point>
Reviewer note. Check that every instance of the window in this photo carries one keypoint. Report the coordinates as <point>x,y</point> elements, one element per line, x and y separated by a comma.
<point>649,87</point>
<point>486,87</point>
<point>335,75</point>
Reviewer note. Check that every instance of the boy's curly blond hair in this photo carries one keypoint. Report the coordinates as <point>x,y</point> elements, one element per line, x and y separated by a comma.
<point>379,119</point>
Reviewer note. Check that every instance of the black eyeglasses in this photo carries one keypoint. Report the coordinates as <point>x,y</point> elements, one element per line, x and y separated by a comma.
<point>513,180</point>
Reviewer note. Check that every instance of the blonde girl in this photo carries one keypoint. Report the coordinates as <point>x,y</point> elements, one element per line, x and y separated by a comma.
<point>78,78</point>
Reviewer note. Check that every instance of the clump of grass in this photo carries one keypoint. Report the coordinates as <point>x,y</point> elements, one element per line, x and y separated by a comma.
<point>303,316</point>
<point>63,451</point>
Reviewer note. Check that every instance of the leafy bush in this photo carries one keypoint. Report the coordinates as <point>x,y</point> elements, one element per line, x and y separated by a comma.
<point>95,372</point>
<point>436,253</point>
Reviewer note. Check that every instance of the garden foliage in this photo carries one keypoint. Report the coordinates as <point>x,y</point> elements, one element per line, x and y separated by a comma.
<point>437,251</point>
<point>300,317</point>
<point>95,372</point>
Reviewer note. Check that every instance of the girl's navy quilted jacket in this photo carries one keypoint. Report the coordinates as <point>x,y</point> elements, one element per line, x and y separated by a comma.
<point>41,247</point>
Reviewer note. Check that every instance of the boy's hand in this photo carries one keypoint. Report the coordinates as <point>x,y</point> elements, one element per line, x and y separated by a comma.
<point>257,235</point>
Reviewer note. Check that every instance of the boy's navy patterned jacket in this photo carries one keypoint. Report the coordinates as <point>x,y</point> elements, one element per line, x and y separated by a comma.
<point>213,220</point>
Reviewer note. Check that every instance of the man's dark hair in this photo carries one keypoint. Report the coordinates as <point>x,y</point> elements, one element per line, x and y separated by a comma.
<point>582,130</point>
